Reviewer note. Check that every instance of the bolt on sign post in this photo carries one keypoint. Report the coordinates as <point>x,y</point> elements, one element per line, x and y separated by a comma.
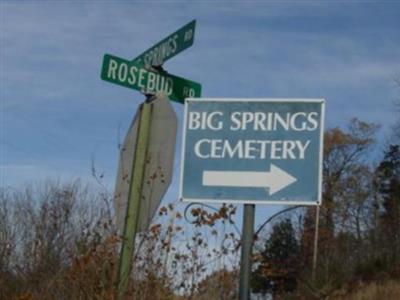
<point>252,151</point>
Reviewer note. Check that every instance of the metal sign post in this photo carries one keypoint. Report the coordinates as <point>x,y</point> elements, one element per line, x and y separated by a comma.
<point>148,151</point>
<point>315,248</point>
<point>150,141</point>
<point>247,245</point>
<point>133,209</point>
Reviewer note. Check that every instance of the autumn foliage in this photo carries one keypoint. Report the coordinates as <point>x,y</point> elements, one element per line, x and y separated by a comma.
<point>59,241</point>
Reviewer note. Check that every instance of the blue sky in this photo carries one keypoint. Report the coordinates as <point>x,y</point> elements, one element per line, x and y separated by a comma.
<point>57,114</point>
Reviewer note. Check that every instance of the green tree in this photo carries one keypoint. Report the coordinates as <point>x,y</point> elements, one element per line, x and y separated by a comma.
<point>346,207</point>
<point>278,268</point>
<point>396,126</point>
<point>388,185</point>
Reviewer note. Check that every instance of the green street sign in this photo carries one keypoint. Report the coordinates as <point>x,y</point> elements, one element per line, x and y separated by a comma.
<point>168,47</point>
<point>133,75</point>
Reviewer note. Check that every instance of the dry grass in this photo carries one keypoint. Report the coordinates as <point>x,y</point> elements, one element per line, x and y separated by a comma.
<point>389,290</point>
<point>58,241</point>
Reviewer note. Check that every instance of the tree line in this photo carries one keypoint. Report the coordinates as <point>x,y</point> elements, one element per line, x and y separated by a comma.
<point>359,229</point>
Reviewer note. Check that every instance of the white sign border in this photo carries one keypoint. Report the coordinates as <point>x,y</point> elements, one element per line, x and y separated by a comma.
<point>272,202</point>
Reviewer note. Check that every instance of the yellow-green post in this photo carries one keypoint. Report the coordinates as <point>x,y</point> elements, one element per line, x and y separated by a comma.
<point>135,194</point>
